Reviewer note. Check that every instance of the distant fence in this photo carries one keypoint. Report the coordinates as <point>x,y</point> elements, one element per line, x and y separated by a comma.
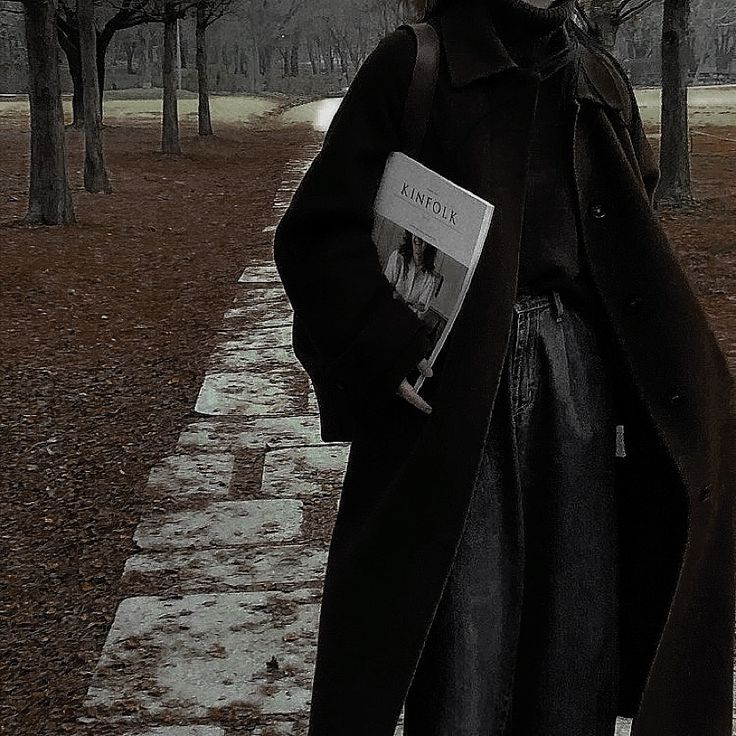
<point>645,73</point>
<point>13,79</point>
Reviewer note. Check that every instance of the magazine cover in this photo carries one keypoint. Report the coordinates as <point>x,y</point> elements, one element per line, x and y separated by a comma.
<point>429,233</point>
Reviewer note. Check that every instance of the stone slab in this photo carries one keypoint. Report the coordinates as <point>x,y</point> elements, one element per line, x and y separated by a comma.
<point>276,362</point>
<point>229,568</point>
<point>238,318</point>
<point>291,728</point>
<point>251,394</point>
<point>304,471</point>
<point>185,475</point>
<point>222,524</point>
<point>261,313</point>
<point>184,657</point>
<point>256,338</point>
<point>254,433</point>
<point>623,726</point>
<point>257,293</point>
<point>281,203</point>
<point>191,730</point>
<point>282,728</point>
<point>259,273</point>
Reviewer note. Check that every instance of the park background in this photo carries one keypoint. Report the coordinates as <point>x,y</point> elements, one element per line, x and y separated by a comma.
<point>108,319</point>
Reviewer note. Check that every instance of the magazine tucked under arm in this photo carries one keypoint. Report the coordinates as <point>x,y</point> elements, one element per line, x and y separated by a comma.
<point>429,234</point>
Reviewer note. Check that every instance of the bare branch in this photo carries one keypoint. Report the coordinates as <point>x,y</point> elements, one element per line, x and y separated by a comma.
<point>638,8</point>
<point>583,16</point>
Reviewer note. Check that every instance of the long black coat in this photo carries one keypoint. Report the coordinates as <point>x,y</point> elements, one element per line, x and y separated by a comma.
<point>409,475</point>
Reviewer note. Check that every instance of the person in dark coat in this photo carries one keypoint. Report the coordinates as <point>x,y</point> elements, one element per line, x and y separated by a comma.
<point>543,539</point>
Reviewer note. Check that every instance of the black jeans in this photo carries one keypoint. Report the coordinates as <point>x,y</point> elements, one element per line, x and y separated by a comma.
<point>525,639</point>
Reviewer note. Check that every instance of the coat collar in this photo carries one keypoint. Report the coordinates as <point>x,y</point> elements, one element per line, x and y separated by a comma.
<point>474,51</point>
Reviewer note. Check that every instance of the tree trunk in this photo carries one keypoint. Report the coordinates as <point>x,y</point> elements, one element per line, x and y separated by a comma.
<point>254,65</point>
<point>130,50</point>
<point>267,58</point>
<point>143,63</point>
<point>183,51</point>
<point>75,71</point>
<point>69,41</point>
<point>294,59</point>
<point>103,42</point>
<point>312,58</point>
<point>674,159</point>
<point>204,117</point>
<point>236,58</point>
<point>95,175</point>
<point>50,201</point>
<point>170,124</point>
<point>343,64</point>
<point>321,58</point>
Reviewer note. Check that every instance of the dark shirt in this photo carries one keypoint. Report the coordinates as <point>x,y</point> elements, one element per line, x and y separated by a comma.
<point>550,251</point>
<point>550,255</point>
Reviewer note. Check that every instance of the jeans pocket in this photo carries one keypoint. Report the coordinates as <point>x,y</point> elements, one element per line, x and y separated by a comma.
<point>523,362</point>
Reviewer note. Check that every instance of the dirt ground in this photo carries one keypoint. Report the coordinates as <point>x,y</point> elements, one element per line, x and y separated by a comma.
<point>704,236</point>
<point>106,330</point>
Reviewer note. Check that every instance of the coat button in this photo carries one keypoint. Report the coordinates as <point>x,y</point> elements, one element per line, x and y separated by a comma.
<point>597,210</point>
<point>705,492</point>
<point>675,398</point>
<point>635,301</point>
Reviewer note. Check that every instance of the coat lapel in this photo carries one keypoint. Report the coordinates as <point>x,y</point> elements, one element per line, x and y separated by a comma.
<point>472,47</point>
<point>473,51</point>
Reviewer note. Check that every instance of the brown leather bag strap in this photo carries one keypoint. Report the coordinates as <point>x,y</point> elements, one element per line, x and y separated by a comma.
<point>421,89</point>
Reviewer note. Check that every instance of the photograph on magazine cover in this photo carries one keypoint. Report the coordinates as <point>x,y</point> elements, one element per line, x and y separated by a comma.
<point>427,279</point>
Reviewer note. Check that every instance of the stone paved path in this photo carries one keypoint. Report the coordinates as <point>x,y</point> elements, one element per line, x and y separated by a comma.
<point>217,634</point>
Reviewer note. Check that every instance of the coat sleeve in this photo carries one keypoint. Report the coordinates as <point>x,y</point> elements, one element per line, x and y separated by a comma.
<point>323,250</point>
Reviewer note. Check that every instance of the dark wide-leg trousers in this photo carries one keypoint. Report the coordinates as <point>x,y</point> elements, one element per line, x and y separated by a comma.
<point>525,639</point>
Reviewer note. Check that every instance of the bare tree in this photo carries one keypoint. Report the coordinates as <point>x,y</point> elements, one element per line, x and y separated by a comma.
<point>125,14</point>
<point>206,13</point>
<point>266,42</point>
<point>168,12</point>
<point>725,41</point>
<point>675,183</point>
<point>269,22</point>
<point>603,18</point>
<point>95,174</point>
<point>50,201</point>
